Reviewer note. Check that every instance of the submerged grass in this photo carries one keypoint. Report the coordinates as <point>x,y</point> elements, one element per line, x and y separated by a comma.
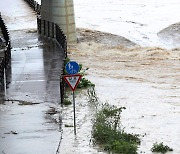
<point>160,147</point>
<point>84,83</point>
<point>66,102</point>
<point>108,133</point>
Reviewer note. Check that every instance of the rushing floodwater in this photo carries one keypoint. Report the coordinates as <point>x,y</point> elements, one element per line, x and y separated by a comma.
<point>137,20</point>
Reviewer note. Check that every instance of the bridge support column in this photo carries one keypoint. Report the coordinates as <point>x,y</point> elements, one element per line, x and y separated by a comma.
<point>60,12</point>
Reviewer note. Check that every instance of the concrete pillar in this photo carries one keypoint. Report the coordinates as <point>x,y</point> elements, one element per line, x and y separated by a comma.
<point>60,12</point>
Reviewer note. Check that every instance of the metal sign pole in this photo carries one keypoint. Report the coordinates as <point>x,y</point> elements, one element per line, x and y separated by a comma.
<point>72,68</point>
<point>74,113</point>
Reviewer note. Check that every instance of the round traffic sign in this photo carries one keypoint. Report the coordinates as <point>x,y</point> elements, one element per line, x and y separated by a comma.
<point>72,67</point>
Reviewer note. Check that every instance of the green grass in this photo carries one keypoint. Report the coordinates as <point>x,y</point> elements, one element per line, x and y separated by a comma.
<point>160,147</point>
<point>108,133</point>
<point>67,102</point>
<point>84,83</point>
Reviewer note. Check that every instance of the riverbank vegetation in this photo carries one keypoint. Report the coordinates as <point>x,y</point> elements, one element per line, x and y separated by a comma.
<point>107,130</point>
<point>160,147</point>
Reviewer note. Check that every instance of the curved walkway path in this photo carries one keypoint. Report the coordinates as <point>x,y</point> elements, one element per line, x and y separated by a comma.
<point>29,116</point>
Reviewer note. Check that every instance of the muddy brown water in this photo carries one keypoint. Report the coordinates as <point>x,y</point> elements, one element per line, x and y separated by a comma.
<point>146,80</point>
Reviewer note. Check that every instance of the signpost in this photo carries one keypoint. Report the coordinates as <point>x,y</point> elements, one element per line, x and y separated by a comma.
<point>72,80</point>
<point>72,68</point>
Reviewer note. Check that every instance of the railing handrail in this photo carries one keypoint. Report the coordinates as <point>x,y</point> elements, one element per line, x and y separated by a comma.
<point>4,30</point>
<point>35,5</point>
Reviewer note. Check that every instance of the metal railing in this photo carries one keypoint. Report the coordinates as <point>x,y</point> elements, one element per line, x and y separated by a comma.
<point>53,31</point>
<point>5,59</point>
<point>34,5</point>
<point>2,73</point>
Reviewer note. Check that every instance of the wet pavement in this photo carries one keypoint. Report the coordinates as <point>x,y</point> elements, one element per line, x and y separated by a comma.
<point>30,105</point>
<point>35,74</point>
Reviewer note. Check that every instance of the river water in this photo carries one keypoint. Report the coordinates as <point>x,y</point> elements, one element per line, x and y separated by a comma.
<point>144,79</point>
<point>137,20</point>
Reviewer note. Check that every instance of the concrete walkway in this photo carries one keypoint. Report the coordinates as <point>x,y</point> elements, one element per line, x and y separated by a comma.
<point>29,108</point>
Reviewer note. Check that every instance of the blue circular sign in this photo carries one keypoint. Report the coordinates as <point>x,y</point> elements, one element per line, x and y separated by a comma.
<point>72,67</point>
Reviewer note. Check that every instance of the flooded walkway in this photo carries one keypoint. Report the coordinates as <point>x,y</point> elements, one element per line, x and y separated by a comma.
<point>29,118</point>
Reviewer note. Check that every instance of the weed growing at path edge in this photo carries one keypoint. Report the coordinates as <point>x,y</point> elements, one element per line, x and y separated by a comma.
<point>67,102</point>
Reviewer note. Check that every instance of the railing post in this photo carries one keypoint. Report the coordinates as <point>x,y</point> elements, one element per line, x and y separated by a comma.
<point>1,74</point>
<point>61,89</point>
<point>48,29</point>
<point>44,25</point>
<point>7,56</point>
<point>52,24</point>
<point>39,25</point>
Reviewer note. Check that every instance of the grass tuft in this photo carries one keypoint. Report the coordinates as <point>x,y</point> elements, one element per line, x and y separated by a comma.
<point>160,147</point>
<point>84,83</point>
<point>67,102</point>
<point>108,133</point>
